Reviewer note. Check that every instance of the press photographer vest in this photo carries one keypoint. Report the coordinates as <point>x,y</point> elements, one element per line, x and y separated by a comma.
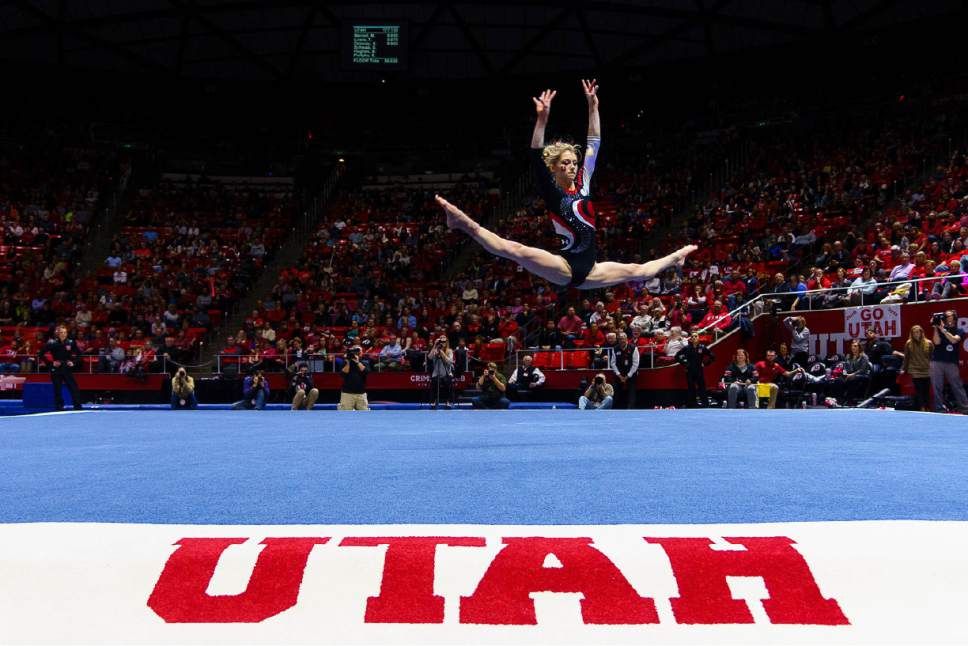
<point>623,359</point>
<point>525,376</point>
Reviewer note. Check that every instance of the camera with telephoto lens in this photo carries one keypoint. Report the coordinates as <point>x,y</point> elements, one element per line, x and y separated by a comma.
<point>937,318</point>
<point>599,381</point>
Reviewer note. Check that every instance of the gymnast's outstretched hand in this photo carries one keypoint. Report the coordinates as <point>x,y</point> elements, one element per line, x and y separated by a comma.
<point>542,104</point>
<point>591,93</point>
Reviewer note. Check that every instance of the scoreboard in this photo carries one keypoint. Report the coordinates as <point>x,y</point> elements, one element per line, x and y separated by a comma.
<point>375,45</point>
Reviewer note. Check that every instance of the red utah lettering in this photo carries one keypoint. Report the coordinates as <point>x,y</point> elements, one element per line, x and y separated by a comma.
<point>407,589</point>
<point>503,595</point>
<point>704,596</point>
<point>179,595</point>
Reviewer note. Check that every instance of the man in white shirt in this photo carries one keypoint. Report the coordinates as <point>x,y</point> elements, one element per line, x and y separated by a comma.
<point>643,321</point>
<point>903,269</point>
<point>526,378</point>
<point>599,316</point>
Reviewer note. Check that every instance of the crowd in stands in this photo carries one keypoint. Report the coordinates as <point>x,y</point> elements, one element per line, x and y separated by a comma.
<point>52,186</point>
<point>187,250</point>
<point>371,274</point>
<point>922,235</point>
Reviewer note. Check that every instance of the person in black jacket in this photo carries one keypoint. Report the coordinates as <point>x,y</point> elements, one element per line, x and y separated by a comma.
<point>352,395</point>
<point>695,357</point>
<point>60,354</point>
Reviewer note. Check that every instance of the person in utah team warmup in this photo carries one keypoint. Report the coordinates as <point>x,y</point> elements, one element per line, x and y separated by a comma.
<point>564,181</point>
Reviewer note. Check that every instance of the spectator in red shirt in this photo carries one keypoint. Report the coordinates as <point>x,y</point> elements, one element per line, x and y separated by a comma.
<point>735,289</point>
<point>570,327</point>
<point>818,280</point>
<point>718,317</point>
<point>593,337</point>
<point>769,371</point>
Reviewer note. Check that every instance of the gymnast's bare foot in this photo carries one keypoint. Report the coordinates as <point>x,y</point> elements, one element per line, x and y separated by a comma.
<point>679,257</point>
<point>456,219</point>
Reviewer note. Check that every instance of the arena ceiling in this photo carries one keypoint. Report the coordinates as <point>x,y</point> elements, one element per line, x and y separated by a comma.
<point>288,41</point>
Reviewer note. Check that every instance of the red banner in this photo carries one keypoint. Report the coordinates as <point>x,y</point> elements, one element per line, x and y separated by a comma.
<point>832,330</point>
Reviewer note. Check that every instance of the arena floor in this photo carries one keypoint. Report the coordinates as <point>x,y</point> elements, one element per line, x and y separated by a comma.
<point>502,467</point>
<point>861,492</point>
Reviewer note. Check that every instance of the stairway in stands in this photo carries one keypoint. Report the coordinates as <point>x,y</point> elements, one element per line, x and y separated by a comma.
<point>287,255</point>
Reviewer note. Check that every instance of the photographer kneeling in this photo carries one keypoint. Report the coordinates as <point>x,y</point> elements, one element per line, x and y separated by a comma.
<point>255,392</point>
<point>493,385</point>
<point>441,359</point>
<point>183,391</point>
<point>304,395</point>
<point>352,395</point>
<point>598,395</point>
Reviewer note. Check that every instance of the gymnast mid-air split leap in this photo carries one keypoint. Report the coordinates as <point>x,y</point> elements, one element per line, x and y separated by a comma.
<point>565,186</point>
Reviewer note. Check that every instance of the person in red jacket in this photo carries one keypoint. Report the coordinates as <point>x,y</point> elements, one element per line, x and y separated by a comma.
<point>718,318</point>
<point>769,371</point>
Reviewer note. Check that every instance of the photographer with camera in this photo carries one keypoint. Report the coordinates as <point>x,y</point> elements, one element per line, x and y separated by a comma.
<point>492,385</point>
<point>352,395</point>
<point>441,359</point>
<point>304,395</point>
<point>944,361</point>
<point>183,391</point>
<point>599,394</point>
<point>255,392</point>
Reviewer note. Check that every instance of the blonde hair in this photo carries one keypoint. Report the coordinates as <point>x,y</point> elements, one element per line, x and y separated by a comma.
<point>925,343</point>
<point>553,152</point>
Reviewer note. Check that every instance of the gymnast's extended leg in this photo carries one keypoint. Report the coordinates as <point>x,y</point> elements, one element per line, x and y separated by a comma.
<point>606,274</point>
<point>539,262</point>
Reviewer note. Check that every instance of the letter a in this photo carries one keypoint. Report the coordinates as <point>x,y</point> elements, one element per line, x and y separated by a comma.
<point>504,594</point>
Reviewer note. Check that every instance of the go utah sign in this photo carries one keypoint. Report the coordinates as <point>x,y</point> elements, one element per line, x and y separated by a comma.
<point>522,566</point>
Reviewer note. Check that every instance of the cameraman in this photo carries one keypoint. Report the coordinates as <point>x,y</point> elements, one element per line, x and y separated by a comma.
<point>255,392</point>
<point>304,395</point>
<point>183,391</point>
<point>492,385</point>
<point>352,395</point>
<point>598,395</point>
<point>441,359</point>
<point>944,361</point>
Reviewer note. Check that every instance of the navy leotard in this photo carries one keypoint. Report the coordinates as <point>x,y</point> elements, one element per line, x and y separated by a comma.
<point>572,212</point>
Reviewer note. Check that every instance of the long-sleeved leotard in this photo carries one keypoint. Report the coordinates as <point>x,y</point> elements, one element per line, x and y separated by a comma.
<point>572,212</point>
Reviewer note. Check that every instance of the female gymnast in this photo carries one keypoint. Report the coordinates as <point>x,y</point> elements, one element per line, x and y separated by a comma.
<point>566,190</point>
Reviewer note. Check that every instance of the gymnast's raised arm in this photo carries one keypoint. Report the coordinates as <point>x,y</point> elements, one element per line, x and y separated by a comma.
<point>542,106</point>
<point>594,122</point>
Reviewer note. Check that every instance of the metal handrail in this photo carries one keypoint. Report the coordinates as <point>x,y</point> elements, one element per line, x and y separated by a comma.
<point>32,364</point>
<point>318,362</point>
<point>810,292</point>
